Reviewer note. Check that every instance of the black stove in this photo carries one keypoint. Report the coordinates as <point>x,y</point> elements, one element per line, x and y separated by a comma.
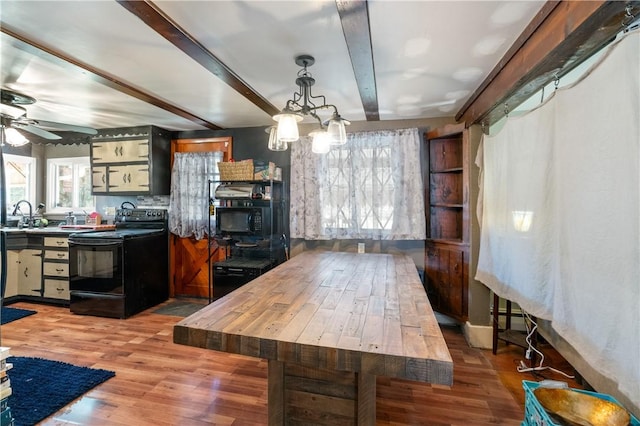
<point>120,272</point>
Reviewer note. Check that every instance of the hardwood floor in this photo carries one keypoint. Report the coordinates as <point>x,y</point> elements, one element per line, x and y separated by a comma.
<point>160,383</point>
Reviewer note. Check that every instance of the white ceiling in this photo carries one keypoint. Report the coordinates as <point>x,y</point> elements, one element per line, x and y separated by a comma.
<point>429,57</point>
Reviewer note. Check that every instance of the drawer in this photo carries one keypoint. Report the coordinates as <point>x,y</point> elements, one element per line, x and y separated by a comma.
<point>56,289</point>
<point>56,242</point>
<point>56,269</point>
<point>56,254</point>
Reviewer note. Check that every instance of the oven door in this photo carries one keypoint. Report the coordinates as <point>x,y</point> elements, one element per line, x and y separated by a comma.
<point>96,266</point>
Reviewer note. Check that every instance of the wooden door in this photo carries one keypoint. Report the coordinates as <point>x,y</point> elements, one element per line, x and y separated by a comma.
<point>189,257</point>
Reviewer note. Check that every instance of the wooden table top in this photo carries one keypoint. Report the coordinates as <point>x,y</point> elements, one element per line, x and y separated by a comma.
<point>330,310</point>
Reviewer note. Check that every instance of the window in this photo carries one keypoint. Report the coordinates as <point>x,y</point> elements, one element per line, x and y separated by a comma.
<point>20,175</point>
<point>69,183</point>
<point>371,188</point>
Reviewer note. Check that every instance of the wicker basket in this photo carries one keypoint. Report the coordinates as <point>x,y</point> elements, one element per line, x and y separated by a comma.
<point>239,170</point>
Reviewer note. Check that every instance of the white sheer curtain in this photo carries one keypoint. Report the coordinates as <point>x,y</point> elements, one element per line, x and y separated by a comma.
<point>189,198</point>
<point>575,163</point>
<point>371,188</point>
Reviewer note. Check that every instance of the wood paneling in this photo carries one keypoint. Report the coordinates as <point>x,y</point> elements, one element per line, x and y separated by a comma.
<point>562,36</point>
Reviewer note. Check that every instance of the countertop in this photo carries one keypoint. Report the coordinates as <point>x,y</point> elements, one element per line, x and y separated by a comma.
<point>57,229</point>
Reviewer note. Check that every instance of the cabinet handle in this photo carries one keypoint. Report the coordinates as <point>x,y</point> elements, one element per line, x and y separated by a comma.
<point>59,243</point>
<point>444,152</point>
<point>104,178</point>
<point>60,255</point>
<point>26,272</point>
<point>455,267</point>
<point>129,177</point>
<point>121,151</point>
<point>116,151</point>
<point>59,270</point>
<point>124,178</point>
<point>60,289</point>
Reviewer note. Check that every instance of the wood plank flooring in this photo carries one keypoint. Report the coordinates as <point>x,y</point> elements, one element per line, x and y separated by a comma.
<point>160,383</point>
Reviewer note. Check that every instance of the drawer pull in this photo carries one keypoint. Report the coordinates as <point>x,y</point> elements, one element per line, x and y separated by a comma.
<point>59,243</point>
<point>59,270</point>
<point>61,255</point>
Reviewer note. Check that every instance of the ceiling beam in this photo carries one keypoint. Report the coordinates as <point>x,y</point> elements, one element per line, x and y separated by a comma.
<point>67,62</point>
<point>354,16</point>
<point>157,20</point>
<point>559,38</point>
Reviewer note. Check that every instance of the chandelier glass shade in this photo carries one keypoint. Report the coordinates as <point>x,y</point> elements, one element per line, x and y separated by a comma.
<point>275,144</point>
<point>305,103</point>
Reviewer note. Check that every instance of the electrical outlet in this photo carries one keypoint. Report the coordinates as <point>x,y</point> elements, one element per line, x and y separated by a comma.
<point>360,247</point>
<point>110,211</point>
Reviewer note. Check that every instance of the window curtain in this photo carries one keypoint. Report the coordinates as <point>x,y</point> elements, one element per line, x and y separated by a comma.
<point>575,164</point>
<point>189,198</point>
<point>369,188</point>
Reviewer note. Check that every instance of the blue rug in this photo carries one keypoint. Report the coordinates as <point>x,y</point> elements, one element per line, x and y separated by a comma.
<point>41,387</point>
<point>11,314</point>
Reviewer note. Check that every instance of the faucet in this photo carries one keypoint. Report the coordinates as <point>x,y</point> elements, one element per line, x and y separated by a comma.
<point>17,207</point>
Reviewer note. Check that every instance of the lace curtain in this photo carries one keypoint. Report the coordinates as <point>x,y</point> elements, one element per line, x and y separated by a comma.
<point>189,198</point>
<point>371,188</point>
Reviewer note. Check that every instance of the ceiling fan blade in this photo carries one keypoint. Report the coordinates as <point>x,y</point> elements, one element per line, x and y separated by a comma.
<point>12,111</point>
<point>35,130</point>
<point>68,127</point>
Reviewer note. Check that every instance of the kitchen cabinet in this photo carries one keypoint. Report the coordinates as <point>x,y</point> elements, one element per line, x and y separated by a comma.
<point>447,195</point>
<point>55,267</point>
<point>13,261</point>
<point>131,161</point>
<point>30,272</point>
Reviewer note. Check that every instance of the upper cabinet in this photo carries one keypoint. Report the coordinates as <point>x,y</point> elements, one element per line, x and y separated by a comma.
<point>131,161</point>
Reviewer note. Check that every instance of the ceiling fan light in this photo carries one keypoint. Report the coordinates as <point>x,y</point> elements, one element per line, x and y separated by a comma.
<point>321,143</point>
<point>275,144</point>
<point>14,137</point>
<point>288,125</point>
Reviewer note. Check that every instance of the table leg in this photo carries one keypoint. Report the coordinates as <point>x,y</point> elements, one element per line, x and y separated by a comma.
<point>299,395</point>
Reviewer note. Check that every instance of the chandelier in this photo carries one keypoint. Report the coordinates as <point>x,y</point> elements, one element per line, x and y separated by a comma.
<point>330,132</point>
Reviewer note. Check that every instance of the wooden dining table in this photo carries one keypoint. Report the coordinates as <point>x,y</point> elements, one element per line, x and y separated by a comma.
<point>328,323</point>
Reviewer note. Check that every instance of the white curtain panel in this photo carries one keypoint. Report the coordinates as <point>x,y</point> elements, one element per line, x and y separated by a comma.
<point>189,198</point>
<point>369,188</point>
<point>597,303</point>
<point>518,229</point>
<point>579,263</point>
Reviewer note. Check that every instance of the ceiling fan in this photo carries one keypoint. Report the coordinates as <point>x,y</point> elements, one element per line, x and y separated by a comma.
<point>13,116</point>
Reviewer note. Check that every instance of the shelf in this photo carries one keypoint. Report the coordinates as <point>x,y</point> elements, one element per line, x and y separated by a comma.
<point>447,205</point>
<point>456,242</point>
<point>451,170</point>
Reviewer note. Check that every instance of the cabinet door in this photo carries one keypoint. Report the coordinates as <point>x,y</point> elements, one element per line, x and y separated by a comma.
<point>132,178</point>
<point>124,151</point>
<point>99,178</point>
<point>30,272</point>
<point>445,280</point>
<point>13,263</point>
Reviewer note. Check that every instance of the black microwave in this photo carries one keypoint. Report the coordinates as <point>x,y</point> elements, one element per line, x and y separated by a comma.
<point>250,221</point>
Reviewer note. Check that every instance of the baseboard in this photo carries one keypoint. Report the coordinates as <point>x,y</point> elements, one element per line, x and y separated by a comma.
<point>478,336</point>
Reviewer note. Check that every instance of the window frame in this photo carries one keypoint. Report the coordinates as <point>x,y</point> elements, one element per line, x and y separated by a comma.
<point>31,184</point>
<point>52,180</point>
